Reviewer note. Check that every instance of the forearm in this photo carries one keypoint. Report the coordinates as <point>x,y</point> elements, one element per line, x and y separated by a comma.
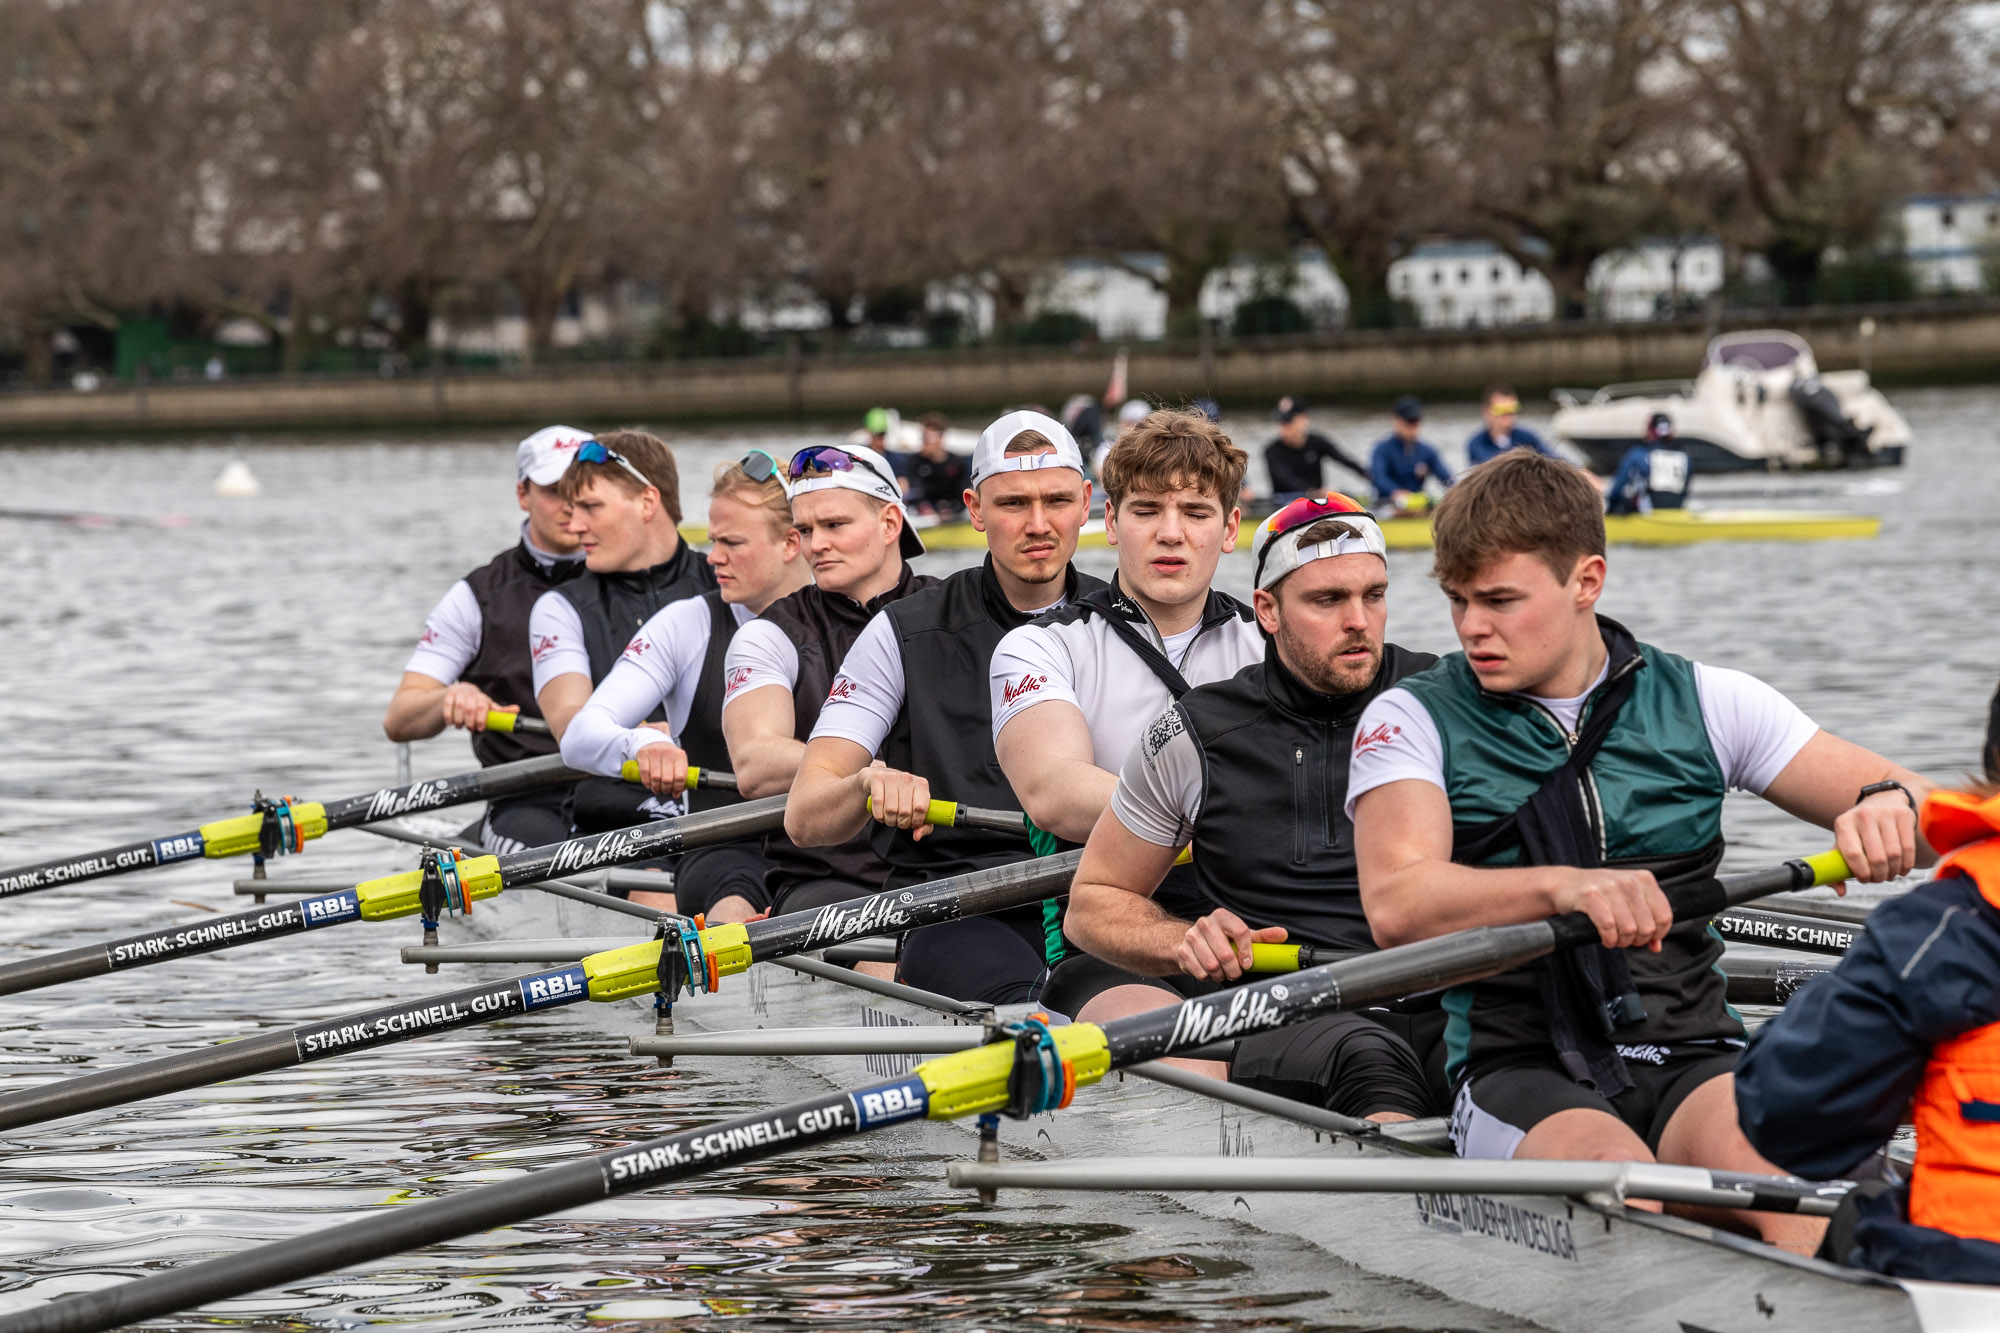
<point>416,713</point>
<point>1066,797</point>
<point>1124,928</point>
<point>766,765</point>
<point>1426,898</point>
<point>827,806</point>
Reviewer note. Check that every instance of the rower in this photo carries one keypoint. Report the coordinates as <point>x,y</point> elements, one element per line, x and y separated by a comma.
<point>1500,429</point>
<point>913,692</point>
<point>934,478</point>
<point>1297,455</point>
<point>1652,475</point>
<point>1403,464</point>
<point>1911,1012</point>
<point>624,491</point>
<point>1252,769</point>
<point>1557,765</point>
<point>1072,691</point>
<point>472,657</point>
<point>675,665</point>
<point>856,536</point>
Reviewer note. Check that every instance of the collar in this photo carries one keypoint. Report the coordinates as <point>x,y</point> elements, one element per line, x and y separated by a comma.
<point>644,580</point>
<point>844,608</point>
<point>1003,611</point>
<point>1621,658</point>
<point>1296,697</point>
<point>546,560</point>
<point>1109,601</point>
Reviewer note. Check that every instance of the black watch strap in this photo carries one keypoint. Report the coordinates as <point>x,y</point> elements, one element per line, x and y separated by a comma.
<point>1875,788</point>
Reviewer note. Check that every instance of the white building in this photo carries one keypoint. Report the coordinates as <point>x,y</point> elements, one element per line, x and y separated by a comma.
<point>1947,239</point>
<point>1655,278</point>
<point>1466,284</point>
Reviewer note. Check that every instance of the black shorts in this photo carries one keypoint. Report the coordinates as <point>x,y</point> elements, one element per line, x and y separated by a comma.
<point>599,805</point>
<point>1497,1105</point>
<point>808,895</point>
<point>1357,1064</point>
<point>705,876</point>
<point>517,823</point>
<point>1001,958</point>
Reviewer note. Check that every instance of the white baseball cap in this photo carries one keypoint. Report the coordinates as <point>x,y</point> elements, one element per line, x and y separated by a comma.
<point>544,456</point>
<point>1134,411</point>
<point>1275,556</point>
<point>990,454</point>
<point>865,470</point>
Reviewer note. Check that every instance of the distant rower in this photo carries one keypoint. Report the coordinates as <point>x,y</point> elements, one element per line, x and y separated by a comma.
<point>473,656</point>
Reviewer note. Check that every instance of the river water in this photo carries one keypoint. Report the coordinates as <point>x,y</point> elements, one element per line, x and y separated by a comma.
<point>157,676</point>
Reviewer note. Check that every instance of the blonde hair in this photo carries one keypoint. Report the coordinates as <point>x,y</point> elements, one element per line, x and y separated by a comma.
<point>768,495</point>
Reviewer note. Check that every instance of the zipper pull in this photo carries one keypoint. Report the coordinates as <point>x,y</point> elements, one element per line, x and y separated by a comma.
<point>1298,757</point>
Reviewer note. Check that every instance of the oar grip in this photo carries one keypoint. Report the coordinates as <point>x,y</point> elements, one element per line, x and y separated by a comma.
<point>499,721</point>
<point>1694,902</point>
<point>944,814</point>
<point>1274,957</point>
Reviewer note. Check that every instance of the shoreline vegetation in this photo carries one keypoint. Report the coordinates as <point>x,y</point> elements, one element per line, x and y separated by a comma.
<point>1944,342</point>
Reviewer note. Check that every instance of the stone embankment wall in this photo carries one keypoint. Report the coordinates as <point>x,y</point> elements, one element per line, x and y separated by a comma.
<point>1957,341</point>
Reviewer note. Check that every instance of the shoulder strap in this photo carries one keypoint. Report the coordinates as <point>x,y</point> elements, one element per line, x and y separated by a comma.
<point>1104,602</point>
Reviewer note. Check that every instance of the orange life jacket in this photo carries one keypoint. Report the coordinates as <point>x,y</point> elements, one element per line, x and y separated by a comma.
<point>1955,1186</point>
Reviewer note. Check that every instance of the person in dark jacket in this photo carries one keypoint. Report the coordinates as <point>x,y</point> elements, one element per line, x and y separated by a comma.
<point>935,478</point>
<point>1911,1012</point>
<point>472,657</point>
<point>1296,459</point>
<point>1501,430</point>
<point>1403,465</point>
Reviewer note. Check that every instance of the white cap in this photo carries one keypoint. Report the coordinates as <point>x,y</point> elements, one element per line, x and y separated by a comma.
<point>1278,553</point>
<point>1134,411</point>
<point>872,476</point>
<point>990,454</point>
<point>544,456</point>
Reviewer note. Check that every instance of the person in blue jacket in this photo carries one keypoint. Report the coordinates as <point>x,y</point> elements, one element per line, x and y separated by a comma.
<point>1403,462</point>
<point>1502,431</point>
<point>1910,1019</point>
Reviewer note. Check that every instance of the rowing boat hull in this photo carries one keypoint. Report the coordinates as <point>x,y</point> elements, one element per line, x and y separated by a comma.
<point>1560,1264</point>
<point>1665,527</point>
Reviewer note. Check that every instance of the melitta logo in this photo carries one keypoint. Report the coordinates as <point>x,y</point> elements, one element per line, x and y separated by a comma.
<point>843,688</point>
<point>638,647</point>
<point>393,801</point>
<point>1201,1021</point>
<point>1029,683</point>
<point>738,678</point>
<point>428,636</point>
<point>544,645</point>
<point>606,849</point>
<point>1380,734</point>
<point>841,921</point>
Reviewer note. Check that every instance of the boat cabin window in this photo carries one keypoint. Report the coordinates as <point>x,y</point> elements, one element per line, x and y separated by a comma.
<point>1755,353</point>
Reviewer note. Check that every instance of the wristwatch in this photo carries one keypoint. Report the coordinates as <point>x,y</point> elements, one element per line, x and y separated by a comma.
<point>1876,788</point>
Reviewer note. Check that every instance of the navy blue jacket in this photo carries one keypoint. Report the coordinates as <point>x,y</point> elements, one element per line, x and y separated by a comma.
<point>1395,468</point>
<point>1481,446</point>
<point>1825,1084</point>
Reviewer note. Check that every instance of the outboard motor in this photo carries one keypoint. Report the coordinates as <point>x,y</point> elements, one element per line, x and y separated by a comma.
<point>1841,443</point>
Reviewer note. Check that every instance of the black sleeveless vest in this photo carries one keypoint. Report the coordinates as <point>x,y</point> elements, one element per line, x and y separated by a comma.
<point>822,626</point>
<point>944,730</point>
<point>1273,842</point>
<point>613,607</point>
<point>702,736</point>
<point>506,588</point>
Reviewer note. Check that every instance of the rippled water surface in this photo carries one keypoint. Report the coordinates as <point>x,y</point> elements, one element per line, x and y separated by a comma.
<point>157,676</point>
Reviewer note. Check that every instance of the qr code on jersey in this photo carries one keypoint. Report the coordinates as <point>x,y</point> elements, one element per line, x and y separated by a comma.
<point>1163,729</point>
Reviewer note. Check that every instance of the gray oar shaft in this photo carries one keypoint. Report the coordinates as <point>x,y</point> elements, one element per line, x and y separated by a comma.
<point>151,1078</point>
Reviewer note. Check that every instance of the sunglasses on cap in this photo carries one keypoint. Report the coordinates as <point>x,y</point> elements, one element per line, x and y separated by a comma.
<point>590,451</point>
<point>1302,513</point>
<point>758,465</point>
<point>828,458</point>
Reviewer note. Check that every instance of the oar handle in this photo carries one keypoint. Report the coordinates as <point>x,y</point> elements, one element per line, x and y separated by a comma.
<point>527,726</point>
<point>698,777</point>
<point>950,814</point>
<point>1694,902</point>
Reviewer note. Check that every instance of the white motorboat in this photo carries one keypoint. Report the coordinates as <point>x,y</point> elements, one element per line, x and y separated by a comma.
<point>1759,403</point>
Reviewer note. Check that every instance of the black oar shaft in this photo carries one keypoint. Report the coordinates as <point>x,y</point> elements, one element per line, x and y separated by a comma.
<point>1782,930</point>
<point>118,860</point>
<point>484,784</point>
<point>972,894</point>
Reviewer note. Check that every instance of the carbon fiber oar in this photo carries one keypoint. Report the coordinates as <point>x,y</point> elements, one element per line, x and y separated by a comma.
<point>402,895</point>
<point>695,960</point>
<point>1035,1069</point>
<point>276,827</point>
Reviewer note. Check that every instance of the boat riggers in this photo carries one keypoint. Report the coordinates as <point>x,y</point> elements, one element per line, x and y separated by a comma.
<point>616,974</point>
<point>446,883</point>
<point>975,1082</point>
<point>275,827</point>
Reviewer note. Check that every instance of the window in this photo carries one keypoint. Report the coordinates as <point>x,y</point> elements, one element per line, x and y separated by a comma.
<point>1944,217</point>
<point>1496,273</point>
<point>1437,277</point>
<point>1464,276</point>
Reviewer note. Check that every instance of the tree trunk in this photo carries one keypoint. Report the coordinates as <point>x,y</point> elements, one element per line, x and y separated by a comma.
<point>38,355</point>
<point>414,307</point>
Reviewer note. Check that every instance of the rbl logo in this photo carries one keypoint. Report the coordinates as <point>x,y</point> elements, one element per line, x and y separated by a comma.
<point>843,688</point>
<point>637,648</point>
<point>544,645</point>
<point>738,678</point>
<point>1381,734</point>
<point>1029,683</point>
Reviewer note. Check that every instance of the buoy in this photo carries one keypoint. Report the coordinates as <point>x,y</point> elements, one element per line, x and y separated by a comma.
<point>238,482</point>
